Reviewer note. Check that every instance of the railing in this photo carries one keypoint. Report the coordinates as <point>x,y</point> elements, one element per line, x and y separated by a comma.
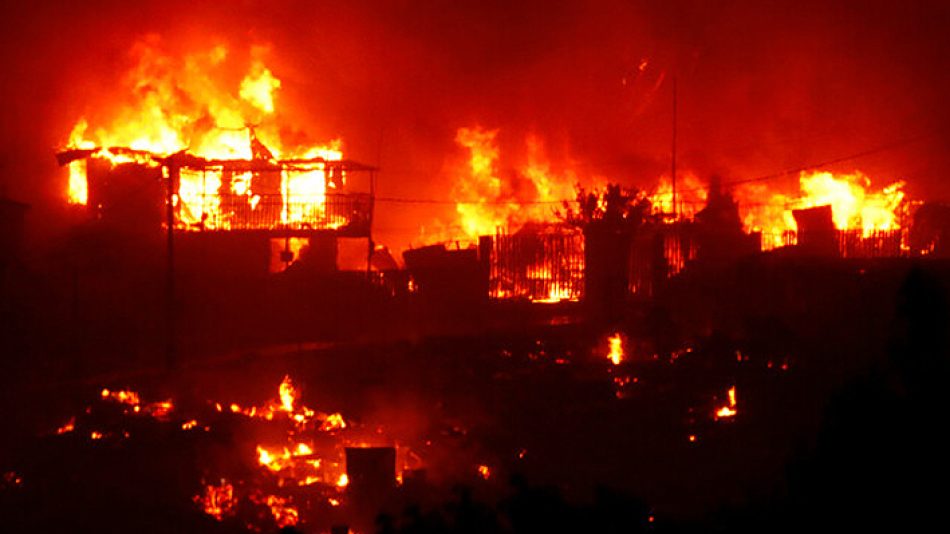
<point>346,212</point>
<point>848,243</point>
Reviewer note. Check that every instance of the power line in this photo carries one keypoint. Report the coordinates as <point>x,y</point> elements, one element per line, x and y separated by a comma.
<point>763,178</point>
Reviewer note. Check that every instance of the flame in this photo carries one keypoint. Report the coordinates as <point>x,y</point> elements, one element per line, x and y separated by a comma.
<point>181,103</point>
<point>484,471</point>
<point>287,395</point>
<point>217,500</point>
<point>343,481</point>
<point>728,410</point>
<point>487,199</point>
<point>123,396</point>
<point>615,353</point>
<point>68,427</point>
<point>285,514</point>
<point>691,195</point>
<point>334,421</point>
<point>854,206</point>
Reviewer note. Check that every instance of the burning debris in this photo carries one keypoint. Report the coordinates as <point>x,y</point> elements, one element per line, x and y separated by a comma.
<point>300,474</point>
<point>729,410</point>
<point>615,353</point>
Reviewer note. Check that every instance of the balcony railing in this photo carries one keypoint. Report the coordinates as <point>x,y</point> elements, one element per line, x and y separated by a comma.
<point>348,213</point>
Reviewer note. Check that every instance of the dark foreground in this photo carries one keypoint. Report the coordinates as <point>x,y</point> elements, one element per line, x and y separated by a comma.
<point>528,431</point>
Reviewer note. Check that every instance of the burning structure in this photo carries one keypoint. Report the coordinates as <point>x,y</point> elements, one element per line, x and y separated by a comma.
<point>291,201</point>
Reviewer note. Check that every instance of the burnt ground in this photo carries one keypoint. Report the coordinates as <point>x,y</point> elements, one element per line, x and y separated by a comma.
<point>837,424</point>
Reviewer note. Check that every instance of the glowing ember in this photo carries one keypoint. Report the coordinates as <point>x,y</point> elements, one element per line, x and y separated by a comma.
<point>68,427</point>
<point>284,513</point>
<point>217,500</point>
<point>484,471</point>
<point>334,421</point>
<point>729,410</point>
<point>615,353</point>
<point>124,396</point>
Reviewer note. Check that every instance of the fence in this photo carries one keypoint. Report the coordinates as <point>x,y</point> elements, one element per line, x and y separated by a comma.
<point>542,265</point>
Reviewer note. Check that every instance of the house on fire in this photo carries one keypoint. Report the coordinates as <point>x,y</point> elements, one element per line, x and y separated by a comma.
<point>263,213</point>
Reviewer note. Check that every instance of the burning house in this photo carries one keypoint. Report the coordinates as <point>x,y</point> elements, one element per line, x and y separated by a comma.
<point>288,210</point>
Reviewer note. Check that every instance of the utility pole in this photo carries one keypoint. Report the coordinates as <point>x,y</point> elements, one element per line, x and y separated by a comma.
<point>673,152</point>
<point>171,360</point>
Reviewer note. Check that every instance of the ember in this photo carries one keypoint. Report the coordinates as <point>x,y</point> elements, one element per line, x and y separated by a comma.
<point>729,410</point>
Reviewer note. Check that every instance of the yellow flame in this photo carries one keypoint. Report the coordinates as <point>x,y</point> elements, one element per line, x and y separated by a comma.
<point>287,395</point>
<point>615,353</point>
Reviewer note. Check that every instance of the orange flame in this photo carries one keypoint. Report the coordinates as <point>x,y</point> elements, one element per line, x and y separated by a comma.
<point>729,410</point>
<point>691,195</point>
<point>615,353</point>
<point>180,103</point>
<point>853,205</point>
<point>488,199</point>
<point>217,500</point>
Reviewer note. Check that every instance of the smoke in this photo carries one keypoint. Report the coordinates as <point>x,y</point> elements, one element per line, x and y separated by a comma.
<point>762,87</point>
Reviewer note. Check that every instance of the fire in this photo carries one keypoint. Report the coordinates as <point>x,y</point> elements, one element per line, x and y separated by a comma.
<point>488,199</point>
<point>217,500</point>
<point>334,421</point>
<point>615,353</point>
<point>729,410</point>
<point>285,514</point>
<point>174,103</point>
<point>123,396</point>
<point>131,398</point>
<point>287,395</point>
<point>484,471</point>
<point>854,206</point>
<point>691,195</point>
<point>68,427</point>
<point>343,481</point>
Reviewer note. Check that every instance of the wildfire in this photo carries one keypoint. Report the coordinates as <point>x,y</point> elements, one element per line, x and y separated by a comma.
<point>181,103</point>
<point>615,353</point>
<point>729,410</point>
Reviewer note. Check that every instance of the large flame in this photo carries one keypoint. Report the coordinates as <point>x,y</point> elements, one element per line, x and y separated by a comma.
<point>690,195</point>
<point>489,198</point>
<point>171,103</point>
<point>854,205</point>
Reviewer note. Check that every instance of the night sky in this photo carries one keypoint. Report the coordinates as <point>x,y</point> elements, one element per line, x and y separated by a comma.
<point>763,86</point>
